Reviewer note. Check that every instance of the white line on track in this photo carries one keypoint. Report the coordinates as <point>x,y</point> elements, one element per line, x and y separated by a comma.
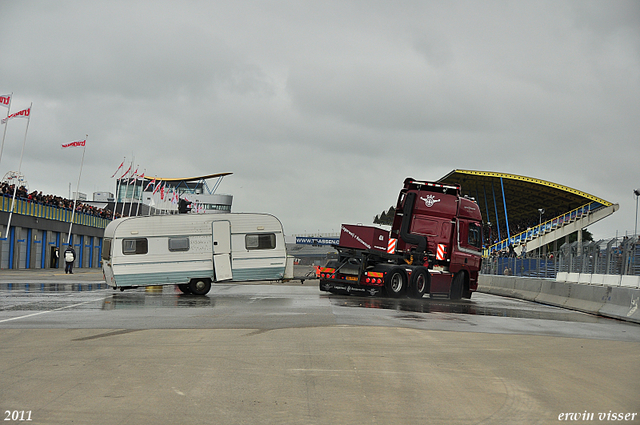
<point>51,311</point>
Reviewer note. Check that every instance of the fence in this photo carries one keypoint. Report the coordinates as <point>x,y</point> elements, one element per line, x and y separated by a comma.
<point>34,209</point>
<point>617,256</point>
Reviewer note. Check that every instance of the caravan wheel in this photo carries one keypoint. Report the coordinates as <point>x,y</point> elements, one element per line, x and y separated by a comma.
<point>184,287</point>
<point>200,286</point>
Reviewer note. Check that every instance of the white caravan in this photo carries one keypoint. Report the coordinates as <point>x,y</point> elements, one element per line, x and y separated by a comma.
<point>193,250</point>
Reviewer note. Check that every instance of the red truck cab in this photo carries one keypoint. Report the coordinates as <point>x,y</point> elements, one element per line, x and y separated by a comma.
<point>434,246</point>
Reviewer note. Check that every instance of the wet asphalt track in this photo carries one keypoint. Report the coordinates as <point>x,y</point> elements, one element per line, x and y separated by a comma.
<point>72,350</point>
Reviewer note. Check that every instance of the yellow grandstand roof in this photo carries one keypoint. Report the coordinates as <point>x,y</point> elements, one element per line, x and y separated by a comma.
<point>187,179</point>
<point>523,195</point>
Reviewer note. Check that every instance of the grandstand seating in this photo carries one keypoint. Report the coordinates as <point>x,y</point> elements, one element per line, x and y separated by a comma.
<point>551,228</point>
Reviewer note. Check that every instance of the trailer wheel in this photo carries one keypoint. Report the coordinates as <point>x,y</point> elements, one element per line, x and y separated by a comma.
<point>395,283</point>
<point>184,287</point>
<point>420,281</point>
<point>457,286</point>
<point>200,286</point>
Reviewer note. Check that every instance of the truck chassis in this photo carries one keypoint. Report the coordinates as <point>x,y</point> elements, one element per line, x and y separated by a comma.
<point>370,272</point>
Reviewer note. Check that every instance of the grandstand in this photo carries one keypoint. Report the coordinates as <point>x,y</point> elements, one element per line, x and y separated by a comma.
<point>528,213</point>
<point>41,223</point>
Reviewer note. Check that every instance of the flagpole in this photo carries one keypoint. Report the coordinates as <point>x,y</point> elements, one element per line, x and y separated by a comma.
<point>6,123</point>
<point>134,176</point>
<point>153,195</point>
<point>75,198</point>
<point>118,186</point>
<point>15,187</point>
<point>126,190</point>
<point>141,192</point>
<point>115,206</point>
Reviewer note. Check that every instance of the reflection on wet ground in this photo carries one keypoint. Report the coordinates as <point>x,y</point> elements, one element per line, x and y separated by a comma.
<point>516,309</point>
<point>124,300</point>
<point>52,287</point>
<point>47,296</point>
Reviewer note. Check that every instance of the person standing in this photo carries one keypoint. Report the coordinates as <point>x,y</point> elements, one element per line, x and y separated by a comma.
<point>69,258</point>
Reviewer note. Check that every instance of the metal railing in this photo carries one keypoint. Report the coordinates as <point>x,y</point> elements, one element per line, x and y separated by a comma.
<point>35,209</point>
<point>546,227</point>
<point>618,256</point>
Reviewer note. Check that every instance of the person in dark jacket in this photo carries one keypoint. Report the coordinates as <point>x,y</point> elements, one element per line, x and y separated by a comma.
<point>69,258</point>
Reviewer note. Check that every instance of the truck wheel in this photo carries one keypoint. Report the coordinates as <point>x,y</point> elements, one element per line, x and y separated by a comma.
<point>419,282</point>
<point>457,286</point>
<point>200,286</point>
<point>395,283</point>
<point>184,287</point>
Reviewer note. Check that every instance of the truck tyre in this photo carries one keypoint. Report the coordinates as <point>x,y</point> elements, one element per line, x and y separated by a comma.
<point>466,293</point>
<point>395,282</point>
<point>200,286</point>
<point>457,286</point>
<point>420,282</point>
<point>184,287</point>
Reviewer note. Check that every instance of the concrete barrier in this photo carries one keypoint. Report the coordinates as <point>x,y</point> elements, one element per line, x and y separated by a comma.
<point>584,278</point>
<point>611,280</point>
<point>561,276</point>
<point>527,289</point>
<point>630,281</point>
<point>597,279</point>
<point>497,285</point>
<point>587,298</point>
<point>622,303</point>
<point>572,277</point>
<point>618,302</point>
<point>554,293</point>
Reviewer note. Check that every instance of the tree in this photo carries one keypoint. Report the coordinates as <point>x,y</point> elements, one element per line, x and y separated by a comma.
<point>386,217</point>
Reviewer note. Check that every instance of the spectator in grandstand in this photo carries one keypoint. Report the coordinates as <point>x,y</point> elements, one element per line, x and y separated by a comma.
<point>52,200</point>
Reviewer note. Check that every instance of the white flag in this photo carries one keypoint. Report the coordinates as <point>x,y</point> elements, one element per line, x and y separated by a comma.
<point>24,114</point>
<point>5,100</point>
<point>75,144</point>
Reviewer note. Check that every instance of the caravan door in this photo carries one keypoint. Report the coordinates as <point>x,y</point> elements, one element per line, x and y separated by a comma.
<point>222,250</point>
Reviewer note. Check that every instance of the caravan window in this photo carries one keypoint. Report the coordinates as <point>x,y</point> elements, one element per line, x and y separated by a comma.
<point>260,241</point>
<point>135,246</point>
<point>178,244</point>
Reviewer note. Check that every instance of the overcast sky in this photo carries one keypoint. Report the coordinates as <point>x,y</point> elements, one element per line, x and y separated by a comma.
<point>321,109</point>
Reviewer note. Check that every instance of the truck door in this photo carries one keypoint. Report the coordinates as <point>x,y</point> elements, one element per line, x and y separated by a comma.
<point>222,250</point>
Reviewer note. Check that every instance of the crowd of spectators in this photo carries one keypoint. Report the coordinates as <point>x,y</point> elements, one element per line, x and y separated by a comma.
<point>53,201</point>
<point>520,226</point>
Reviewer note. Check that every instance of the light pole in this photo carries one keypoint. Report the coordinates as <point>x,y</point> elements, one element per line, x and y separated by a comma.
<point>541,211</point>
<point>637,193</point>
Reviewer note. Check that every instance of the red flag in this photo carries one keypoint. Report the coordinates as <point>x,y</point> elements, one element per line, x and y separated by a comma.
<point>152,182</point>
<point>127,172</point>
<point>74,144</point>
<point>5,100</point>
<point>24,114</point>
<point>114,174</point>
<point>157,187</point>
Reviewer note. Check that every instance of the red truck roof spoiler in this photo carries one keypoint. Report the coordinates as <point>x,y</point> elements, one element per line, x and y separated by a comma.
<point>412,182</point>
